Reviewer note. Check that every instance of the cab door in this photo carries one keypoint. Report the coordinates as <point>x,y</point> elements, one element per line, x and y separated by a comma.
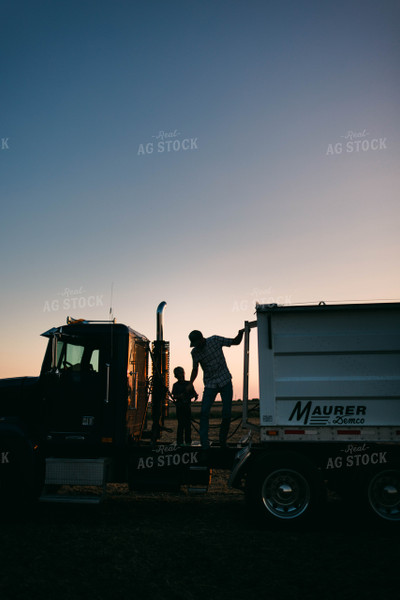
<point>75,390</point>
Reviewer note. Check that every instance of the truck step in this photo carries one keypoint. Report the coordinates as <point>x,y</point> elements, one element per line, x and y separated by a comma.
<point>68,499</point>
<point>76,471</point>
<point>85,472</point>
<point>195,491</point>
<point>199,480</point>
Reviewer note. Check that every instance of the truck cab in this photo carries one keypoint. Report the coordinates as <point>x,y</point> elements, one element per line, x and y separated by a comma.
<point>94,384</point>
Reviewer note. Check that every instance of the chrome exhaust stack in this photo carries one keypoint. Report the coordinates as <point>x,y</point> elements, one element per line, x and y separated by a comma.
<point>160,324</point>
<point>160,394</point>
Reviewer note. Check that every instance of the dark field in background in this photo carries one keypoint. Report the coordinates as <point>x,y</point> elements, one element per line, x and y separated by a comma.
<point>175,546</point>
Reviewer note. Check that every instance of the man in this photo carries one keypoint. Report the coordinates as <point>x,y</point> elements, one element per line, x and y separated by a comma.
<point>217,379</point>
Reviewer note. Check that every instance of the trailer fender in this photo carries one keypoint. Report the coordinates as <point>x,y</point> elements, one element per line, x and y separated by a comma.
<point>240,466</point>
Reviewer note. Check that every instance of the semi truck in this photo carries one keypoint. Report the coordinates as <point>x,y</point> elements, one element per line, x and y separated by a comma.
<point>328,417</point>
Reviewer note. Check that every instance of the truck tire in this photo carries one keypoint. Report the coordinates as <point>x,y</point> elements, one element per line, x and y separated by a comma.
<point>285,489</point>
<point>382,491</point>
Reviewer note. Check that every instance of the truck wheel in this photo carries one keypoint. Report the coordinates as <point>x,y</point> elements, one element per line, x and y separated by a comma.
<point>383,493</point>
<point>285,489</point>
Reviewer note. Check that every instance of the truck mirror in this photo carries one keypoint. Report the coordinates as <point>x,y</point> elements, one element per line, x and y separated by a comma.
<point>54,352</point>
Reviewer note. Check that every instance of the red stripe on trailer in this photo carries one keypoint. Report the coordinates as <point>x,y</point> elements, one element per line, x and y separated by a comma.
<point>348,432</point>
<point>295,431</point>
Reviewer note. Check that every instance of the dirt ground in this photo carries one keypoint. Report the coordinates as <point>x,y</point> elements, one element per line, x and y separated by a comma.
<point>181,547</point>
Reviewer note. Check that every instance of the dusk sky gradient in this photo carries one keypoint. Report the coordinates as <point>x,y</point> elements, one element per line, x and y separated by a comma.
<point>267,202</point>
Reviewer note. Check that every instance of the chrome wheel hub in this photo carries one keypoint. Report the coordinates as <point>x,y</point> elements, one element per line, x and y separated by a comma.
<point>384,494</point>
<point>285,493</point>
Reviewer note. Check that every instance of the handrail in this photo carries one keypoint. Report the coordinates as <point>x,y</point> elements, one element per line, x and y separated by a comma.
<point>248,325</point>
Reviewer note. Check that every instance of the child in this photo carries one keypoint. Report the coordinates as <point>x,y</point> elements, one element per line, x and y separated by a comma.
<point>183,398</point>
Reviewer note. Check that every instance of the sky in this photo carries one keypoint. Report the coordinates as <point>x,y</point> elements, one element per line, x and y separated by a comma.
<point>205,153</point>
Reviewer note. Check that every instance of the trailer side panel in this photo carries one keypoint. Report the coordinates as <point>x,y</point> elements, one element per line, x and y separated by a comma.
<point>329,365</point>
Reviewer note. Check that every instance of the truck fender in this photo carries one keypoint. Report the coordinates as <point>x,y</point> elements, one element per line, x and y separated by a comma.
<point>16,465</point>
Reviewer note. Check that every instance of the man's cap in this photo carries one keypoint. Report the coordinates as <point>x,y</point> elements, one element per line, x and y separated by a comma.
<point>195,336</point>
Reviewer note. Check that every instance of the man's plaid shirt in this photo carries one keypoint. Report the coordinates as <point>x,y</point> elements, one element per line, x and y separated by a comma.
<point>212,361</point>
